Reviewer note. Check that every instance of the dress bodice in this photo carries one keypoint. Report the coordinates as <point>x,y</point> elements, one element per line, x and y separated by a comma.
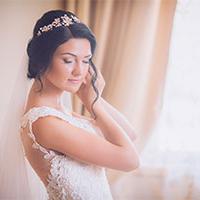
<point>68,179</point>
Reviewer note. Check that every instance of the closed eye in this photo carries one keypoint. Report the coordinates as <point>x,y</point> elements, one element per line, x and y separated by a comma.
<point>87,62</point>
<point>68,61</point>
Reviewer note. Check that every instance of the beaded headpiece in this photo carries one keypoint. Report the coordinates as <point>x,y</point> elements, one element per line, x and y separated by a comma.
<point>60,21</point>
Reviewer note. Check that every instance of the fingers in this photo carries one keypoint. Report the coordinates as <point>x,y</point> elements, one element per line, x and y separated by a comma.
<point>91,71</point>
<point>99,75</point>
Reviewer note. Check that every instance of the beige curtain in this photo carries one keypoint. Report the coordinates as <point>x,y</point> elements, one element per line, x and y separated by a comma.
<point>132,52</point>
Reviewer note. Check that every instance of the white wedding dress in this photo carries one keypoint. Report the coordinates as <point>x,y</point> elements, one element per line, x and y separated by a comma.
<point>68,179</point>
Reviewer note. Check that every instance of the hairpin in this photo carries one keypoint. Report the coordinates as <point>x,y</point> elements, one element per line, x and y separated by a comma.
<point>60,21</point>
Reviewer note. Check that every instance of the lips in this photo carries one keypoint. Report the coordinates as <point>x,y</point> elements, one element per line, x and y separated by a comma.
<point>74,80</point>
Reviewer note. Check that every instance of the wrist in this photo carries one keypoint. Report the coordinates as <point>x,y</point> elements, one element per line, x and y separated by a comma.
<point>96,107</point>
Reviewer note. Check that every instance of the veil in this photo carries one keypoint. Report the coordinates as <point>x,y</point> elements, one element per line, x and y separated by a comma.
<point>18,180</point>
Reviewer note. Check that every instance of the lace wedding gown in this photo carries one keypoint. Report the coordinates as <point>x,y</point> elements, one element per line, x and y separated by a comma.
<point>68,179</point>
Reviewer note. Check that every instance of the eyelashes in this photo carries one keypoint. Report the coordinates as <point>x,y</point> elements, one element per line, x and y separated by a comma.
<point>68,61</point>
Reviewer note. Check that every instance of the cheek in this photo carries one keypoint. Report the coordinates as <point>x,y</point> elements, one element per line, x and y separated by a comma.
<point>58,75</point>
<point>86,71</point>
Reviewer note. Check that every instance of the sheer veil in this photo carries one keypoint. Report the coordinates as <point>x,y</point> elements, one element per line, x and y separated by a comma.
<point>17,178</point>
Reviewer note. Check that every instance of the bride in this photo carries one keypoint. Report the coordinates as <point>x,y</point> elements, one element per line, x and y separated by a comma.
<point>67,152</point>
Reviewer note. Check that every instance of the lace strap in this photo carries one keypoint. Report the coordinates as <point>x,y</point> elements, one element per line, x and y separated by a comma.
<point>32,115</point>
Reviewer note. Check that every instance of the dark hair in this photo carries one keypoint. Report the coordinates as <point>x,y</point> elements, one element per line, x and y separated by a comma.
<point>40,48</point>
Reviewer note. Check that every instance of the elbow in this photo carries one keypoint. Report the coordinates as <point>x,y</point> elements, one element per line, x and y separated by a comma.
<point>133,164</point>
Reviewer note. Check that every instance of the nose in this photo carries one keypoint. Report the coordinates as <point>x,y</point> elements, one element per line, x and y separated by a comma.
<point>78,69</point>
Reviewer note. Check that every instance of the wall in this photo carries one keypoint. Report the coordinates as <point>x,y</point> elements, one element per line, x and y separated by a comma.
<point>17,21</point>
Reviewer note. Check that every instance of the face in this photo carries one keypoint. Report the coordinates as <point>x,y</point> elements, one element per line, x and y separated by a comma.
<point>70,62</point>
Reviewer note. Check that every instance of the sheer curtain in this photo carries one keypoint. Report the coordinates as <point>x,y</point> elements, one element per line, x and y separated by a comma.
<point>174,143</point>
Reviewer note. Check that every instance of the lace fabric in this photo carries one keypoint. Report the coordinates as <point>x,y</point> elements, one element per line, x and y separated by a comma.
<point>68,178</point>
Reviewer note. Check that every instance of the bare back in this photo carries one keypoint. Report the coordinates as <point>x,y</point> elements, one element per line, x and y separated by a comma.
<point>36,156</point>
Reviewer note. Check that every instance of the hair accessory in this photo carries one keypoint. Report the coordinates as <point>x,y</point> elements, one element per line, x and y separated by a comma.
<point>60,21</point>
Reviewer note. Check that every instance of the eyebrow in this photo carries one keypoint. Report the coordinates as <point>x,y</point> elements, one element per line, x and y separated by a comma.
<point>74,54</point>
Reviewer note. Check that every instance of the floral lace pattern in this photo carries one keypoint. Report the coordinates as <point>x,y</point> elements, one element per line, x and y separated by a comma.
<point>69,179</point>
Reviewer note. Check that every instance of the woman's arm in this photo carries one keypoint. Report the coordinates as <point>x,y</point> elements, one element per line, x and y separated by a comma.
<point>120,119</point>
<point>113,132</point>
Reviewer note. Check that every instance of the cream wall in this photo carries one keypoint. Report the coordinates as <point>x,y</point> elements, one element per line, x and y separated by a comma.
<point>17,21</point>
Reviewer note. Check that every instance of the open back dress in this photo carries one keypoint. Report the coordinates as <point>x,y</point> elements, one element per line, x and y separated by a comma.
<point>64,177</point>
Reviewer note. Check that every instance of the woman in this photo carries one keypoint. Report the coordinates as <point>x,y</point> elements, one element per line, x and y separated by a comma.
<point>70,152</point>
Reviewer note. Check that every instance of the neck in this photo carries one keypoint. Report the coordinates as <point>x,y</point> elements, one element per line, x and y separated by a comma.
<point>49,93</point>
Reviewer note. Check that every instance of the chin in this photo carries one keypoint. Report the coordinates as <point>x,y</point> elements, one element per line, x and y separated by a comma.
<point>72,90</point>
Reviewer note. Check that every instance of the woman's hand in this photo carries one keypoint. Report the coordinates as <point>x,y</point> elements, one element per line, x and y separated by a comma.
<point>86,92</point>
